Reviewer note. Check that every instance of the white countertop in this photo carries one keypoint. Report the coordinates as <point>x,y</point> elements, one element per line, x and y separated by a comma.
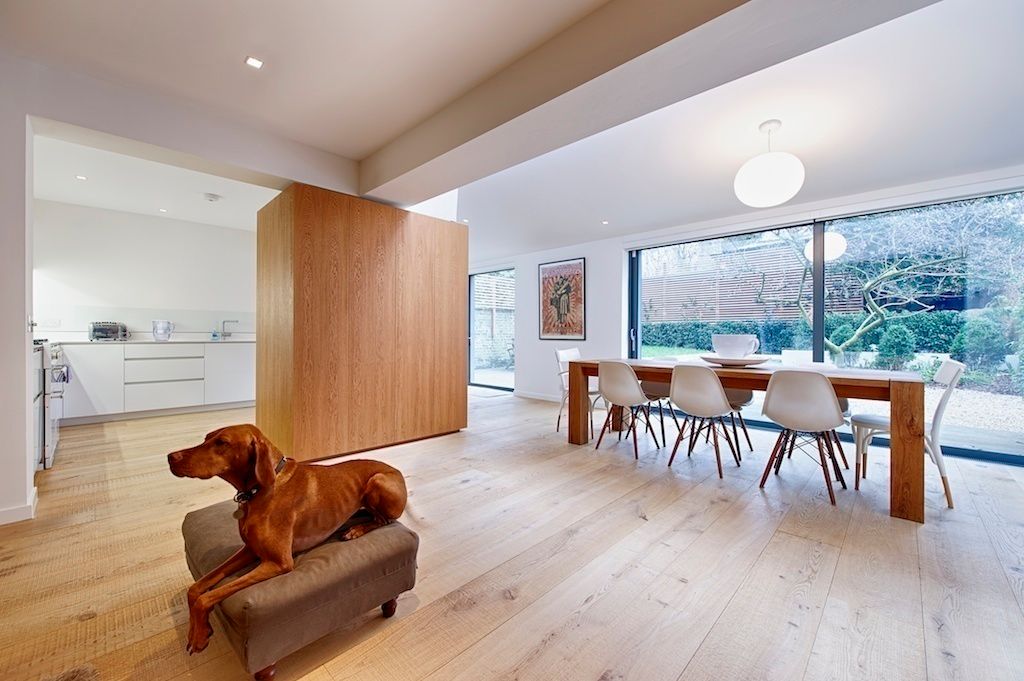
<point>151,342</point>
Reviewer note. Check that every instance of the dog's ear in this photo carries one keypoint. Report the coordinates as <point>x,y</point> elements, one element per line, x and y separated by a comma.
<point>264,464</point>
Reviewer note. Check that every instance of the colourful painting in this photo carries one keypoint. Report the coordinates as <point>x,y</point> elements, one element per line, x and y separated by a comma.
<point>563,300</point>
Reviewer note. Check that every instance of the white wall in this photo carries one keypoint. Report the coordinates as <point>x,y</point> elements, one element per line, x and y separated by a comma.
<point>92,264</point>
<point>606,298</point>
<point>31,90</point>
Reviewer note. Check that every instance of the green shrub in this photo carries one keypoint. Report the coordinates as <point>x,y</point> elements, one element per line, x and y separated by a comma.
<point>896,347</point>
<point>982,343</point>
<point>843,333</point>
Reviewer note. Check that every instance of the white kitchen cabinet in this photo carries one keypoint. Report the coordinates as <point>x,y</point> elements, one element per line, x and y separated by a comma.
<point>97,379</point>
<point>170,369</point>
<point>230,372</point>
<point>162,350</point>
<point>163,395</point>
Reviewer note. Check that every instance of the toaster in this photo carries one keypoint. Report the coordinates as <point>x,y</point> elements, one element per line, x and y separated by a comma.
<point>108,331</point>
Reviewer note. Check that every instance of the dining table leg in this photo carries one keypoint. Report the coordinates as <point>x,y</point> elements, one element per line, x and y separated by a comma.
<point>906,478</point>
<point>578,400</point>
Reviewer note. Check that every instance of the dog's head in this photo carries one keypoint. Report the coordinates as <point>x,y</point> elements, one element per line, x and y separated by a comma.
<point>240,454</point>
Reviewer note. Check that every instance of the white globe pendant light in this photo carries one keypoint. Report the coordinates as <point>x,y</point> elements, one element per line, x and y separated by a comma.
<point>769,179</point>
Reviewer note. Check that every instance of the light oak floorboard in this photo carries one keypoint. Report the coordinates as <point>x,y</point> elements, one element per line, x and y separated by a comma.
<point>542,560</point>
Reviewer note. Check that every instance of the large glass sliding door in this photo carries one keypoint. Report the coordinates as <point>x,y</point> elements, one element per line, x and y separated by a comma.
<point>758,283</point>
<point>902,289</point>
<point>492,313</point>
<point>911,288</point>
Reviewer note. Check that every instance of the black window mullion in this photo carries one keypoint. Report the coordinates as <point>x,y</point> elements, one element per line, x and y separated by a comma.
<point>818,293</point>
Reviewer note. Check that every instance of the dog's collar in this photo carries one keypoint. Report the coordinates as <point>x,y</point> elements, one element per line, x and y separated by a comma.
<point>247,495</point>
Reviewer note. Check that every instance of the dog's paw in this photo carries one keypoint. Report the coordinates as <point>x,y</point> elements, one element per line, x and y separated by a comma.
<point>199,634</point>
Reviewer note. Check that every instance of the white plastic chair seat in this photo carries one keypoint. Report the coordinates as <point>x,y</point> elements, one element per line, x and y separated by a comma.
<point>872,421</point>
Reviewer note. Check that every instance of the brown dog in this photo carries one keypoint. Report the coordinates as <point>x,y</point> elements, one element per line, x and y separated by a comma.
<point>285,507</point>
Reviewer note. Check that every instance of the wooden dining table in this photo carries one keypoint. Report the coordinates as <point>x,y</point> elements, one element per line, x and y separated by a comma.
<point>904,391</point>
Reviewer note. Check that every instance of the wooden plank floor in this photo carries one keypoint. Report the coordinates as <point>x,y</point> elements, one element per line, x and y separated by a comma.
<point>541,560</point>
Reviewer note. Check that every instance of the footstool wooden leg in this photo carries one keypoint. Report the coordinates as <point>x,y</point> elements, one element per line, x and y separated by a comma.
<point>389,608</point>
<point>266,674</point>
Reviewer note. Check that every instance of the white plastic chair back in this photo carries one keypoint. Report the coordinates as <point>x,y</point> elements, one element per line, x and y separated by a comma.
<point>949,375</point>
<point>563,357</point>
<point>698,391</point>
<point>618,384</point>
<point>802,400</point>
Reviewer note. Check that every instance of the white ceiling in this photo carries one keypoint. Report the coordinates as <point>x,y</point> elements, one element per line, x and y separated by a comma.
<point>343,75</point>
<point>134,185</point>
<point>933,94</point>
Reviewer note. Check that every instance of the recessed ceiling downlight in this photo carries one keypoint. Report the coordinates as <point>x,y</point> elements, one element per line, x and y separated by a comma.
<point>212,198</point>
<point>162,210</point>
<point>254,62</point>
<point>81,178</point>
<point>769,179</point>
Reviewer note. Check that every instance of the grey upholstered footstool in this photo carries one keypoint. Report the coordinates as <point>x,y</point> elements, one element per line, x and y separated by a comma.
<point>331,584</point>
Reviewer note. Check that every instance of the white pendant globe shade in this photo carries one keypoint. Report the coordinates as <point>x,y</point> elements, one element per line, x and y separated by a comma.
<point>769,179</point>
<point>835,246</point>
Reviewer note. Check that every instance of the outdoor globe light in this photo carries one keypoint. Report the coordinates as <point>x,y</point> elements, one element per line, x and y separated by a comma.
<point>835,246</point>
<point>771,178</point>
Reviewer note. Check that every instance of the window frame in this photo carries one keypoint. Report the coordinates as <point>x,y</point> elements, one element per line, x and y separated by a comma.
<point>634,337</point>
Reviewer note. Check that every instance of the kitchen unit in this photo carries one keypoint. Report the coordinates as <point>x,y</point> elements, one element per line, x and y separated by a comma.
<point>112,378</point>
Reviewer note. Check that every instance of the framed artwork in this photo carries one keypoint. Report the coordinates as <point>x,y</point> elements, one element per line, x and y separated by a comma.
<point>563,299</point>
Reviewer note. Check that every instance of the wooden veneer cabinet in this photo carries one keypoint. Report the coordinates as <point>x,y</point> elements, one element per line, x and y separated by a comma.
<point>361,323</point>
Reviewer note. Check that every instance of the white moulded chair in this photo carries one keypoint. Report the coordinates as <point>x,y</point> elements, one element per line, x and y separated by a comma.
<point>619,387</point>
<point>698,392</point>
<point>867,426</point>
<point>563,357</point>
<point>804,403</point>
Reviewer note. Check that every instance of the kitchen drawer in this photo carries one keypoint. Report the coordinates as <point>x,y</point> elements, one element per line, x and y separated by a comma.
<point>162,350</point>
<point>173,369</point>
<point>167,395</point>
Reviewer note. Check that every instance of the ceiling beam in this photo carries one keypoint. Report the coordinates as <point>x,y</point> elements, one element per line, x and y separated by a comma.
<point>626,59</point>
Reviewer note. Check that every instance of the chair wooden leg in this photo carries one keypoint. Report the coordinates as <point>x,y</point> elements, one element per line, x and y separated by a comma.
<point>827,437</point>
<point>746,434</point>
<point>735,450</point>
<point>695,431</point>
<point>949,493</point>
<point>839,446</point>
<point>857,445</point>
<point>735,435</point>
<point>561,408</point>
<point>266,674</point>
<point>633,418</point>
<point>789,455</point>
<point>780,443</point>
<point>718,452</point>
<point>672,410</point>
<point>824,469</point>
<point>650,428</point>
<point>661,417</point>
<point>606,426</point>
<point>679,439</point>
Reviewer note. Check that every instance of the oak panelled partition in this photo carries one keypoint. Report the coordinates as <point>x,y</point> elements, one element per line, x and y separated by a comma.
<point>361,324</point>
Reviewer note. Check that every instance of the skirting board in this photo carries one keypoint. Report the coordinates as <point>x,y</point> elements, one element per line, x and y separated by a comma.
<point>129,415</point>
<point>18,513</point>
<point>536,396</point>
